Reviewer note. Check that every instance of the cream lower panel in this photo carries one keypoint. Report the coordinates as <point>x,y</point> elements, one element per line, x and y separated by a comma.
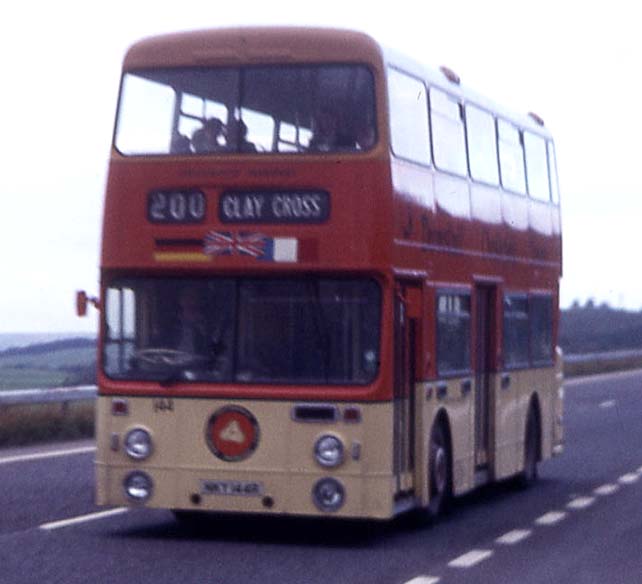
<point>544,384</point>
<point>505,457</point>
<point>291,493</point>
<point>180,436</point>
<point>285,449</point>
<point>447,395</point>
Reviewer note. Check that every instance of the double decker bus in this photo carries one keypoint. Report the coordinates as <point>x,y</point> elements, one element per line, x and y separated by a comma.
<point>329,281</point>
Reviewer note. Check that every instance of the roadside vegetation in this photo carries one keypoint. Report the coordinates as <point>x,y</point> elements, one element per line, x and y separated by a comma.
<point>67,362</point>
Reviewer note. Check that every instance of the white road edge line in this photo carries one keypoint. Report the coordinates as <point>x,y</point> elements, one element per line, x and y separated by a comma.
<point>44,455</point>
<point>513,537</point>
<point>423,580</point>
<point>470,559</point>
<point>82,519</point>
<point>551,518</point>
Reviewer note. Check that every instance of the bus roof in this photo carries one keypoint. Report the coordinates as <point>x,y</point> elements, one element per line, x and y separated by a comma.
<point>283,45</point>
<point>254,45</point>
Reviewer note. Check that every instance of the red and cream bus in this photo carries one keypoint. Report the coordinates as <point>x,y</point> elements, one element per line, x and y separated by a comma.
<point>329,281</point>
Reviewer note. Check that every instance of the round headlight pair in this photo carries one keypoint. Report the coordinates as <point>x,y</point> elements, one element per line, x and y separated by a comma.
<point>328,451</point>
<point>138,444</point>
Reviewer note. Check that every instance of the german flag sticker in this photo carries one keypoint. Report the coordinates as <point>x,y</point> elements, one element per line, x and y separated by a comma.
<point>232,433</point>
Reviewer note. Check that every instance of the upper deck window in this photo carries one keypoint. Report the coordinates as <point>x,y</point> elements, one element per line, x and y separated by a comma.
<point>448,138</point>
<point>552,168</point>
<point>295,109</point>
<point>409,117</point>
<point>511,157</point>
<point>536,167</point>
<point>482,145</point>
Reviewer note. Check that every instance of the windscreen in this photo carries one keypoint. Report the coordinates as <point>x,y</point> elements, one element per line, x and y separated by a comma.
<point>295,109</point>
<point>289,331</point>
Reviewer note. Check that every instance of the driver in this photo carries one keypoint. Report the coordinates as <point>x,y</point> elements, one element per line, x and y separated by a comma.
<point>192,333</point>
<point>195,335</point>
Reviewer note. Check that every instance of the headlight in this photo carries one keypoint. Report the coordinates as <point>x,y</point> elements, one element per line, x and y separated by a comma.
<point>138,444</point>
<point>328,451</point>
<point>138,486</point>
<point>328,494</point>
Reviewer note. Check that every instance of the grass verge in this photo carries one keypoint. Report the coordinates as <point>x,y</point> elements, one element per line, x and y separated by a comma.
<point>31,423</point>
<point>602,365</point>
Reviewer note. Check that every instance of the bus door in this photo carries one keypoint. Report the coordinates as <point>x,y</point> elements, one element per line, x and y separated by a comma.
<point>484,345</point>
<point>407,314</point>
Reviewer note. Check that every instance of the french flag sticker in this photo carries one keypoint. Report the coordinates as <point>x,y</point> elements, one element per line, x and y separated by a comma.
<point>281,249</point>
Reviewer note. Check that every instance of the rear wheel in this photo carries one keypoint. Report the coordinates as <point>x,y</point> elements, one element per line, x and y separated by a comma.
<point>531,450</point>
<point>439,469</point>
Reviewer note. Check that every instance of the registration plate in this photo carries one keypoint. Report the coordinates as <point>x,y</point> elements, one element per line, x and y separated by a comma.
<point>235,488</point>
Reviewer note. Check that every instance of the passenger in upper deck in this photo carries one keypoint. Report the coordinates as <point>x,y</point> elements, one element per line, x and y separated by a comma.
<point>328,136</point>
<point>211,137</point>
<point>237,137</point>
<point>180,144</point>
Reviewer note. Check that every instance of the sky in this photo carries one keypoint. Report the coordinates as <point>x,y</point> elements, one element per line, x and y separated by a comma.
<point>574,63</point>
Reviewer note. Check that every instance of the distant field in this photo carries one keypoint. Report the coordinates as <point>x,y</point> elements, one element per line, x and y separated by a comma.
<point>9,340</point>
<point>53,360</point>
<point>30,378</point>
<point>48,364</point>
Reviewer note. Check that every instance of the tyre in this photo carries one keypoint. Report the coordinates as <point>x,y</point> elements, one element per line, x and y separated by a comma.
<point>440,471</point>
<point>529,474</point>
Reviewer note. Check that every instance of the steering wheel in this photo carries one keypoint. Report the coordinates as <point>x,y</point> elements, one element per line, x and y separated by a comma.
<point>166,357</point>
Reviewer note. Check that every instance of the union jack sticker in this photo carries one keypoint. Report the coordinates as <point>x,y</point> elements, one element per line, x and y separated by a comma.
<point>256,245</point>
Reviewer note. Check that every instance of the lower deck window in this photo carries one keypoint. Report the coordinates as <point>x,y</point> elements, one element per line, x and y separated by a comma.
<point>515,331</point>
<point>528,330</point>
<point>453,333</point>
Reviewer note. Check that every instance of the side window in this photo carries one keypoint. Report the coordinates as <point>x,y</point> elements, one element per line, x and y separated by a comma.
<point>552,169</point>
<point>536,167</point>
<point>511,158</point>
<point>482,145</point>
<point>541,319</point>
<point>453,333</point>
<point>449,142</point>
<point>408,117</point>
<point>516,337</point>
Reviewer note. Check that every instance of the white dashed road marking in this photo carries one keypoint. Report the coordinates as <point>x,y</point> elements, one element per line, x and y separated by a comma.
<point>470,559</point>
<point>627,479</point>
<point>551,518</point>
<point>513,537</point>
<point>608,404</point>
<point>581,503</point>
<point>608,489</point>
<point>423,580</point>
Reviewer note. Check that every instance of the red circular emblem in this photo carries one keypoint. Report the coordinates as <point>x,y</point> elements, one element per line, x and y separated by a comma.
<point>232,433</point>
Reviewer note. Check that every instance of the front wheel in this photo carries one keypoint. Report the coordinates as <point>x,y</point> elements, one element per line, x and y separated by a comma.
<point>439,468</point>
